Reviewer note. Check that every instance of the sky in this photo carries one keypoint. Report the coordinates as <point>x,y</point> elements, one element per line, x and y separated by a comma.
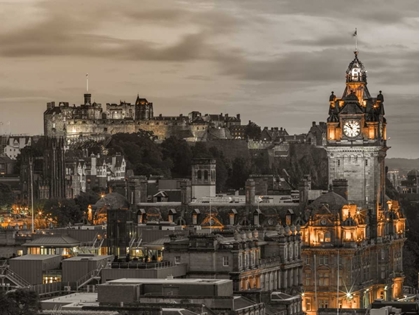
<point>274,61</point>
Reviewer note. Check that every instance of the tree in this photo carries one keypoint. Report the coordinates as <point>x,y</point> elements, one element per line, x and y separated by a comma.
<point>200,151</point>
<point>85,199</point>
<point>222,166</point>
<point>180,154</point>
<point>19,302</point>
<point>61,212</point>
<point>240,172</point>
<point>7,196</point>
<point>142,154</point>
<point>252,131</point>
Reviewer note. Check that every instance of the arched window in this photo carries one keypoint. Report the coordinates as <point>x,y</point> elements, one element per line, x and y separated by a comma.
<point>199,174</point>
<point>321,237</point>
<point>327,237</point>
<point>206,175</point>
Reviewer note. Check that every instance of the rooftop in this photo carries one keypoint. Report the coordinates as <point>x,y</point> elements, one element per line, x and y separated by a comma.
<point>35,257</point>
<point>166,281</point>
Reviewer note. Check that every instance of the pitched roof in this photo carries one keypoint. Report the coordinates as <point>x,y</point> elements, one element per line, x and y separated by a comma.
<point>334,201</point>
<point>53,240</point>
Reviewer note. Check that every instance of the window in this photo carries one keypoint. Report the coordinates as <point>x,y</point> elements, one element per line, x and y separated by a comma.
<point>366,162</point>
<point>225,261</point>
<point>323,303</point>
<point>177,260</point>
<point>323,279</point>
<point>240,261</point>
<point>327,237</point>
<point>308,304</point>
<point>323,260</point>
<point>199,174</point>
<point>308,279</point>
<point>321,237</point>
<point>206,175</point>
<point>338,162</point>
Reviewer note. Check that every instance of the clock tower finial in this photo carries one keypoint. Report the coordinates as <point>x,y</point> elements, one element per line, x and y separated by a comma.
<point>356,80</point>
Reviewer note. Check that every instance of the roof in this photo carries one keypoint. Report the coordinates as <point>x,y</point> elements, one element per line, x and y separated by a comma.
<point>242,302</point>
<point>94,258</point>
<point>413,173</point>
<point>159,242</point>
<point>164,281</point>
<point>332,199</point>
<point>177,311</point>
<point>113,200</point>
<point>53,240</point>
<point>35,257</point>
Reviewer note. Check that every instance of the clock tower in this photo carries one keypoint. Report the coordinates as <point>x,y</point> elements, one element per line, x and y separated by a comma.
<point>356,140</point>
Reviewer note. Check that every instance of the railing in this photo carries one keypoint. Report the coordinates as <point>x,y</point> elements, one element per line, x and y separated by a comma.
<point>47,288</point>
<point>141,265</point>
<point>94,274</point>
<point>18,280</point>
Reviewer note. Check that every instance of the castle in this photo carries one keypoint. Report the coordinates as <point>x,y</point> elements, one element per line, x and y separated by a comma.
<point>91,121</point>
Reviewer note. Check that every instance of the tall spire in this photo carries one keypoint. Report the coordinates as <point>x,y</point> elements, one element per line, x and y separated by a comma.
<point>87,82</point>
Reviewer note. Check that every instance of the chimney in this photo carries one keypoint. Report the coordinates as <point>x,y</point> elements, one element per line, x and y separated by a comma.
<point>340,187</point>
<point>250,192</point>
<point>313,124</point>
<point>238,116</point>
<point>87,99</point>
<point>304,188</point>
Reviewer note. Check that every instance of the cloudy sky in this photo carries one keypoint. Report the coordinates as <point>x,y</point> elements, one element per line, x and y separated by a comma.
<point>274,61</point>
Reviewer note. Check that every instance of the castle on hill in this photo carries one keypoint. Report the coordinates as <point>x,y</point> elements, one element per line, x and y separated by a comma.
<point>91,121</point>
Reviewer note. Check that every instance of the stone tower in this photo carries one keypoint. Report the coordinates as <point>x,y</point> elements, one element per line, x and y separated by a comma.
<point>356,139</point>
<point>143,109</point>
<point>203,178</point>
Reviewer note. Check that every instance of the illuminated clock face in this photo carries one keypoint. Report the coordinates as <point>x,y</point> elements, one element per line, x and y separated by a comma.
<point>351,128</point>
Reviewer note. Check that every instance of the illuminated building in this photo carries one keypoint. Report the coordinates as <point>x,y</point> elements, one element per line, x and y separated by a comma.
<point>353,236</point>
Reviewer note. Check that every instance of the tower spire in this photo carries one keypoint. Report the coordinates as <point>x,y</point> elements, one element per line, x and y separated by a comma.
<point>87,82</point>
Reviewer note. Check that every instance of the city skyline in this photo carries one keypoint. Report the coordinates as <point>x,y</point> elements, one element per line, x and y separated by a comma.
<point>275,63</point>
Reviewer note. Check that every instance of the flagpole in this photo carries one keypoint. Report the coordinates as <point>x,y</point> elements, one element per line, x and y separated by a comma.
<point>355,35</point>
<point>87,82</point>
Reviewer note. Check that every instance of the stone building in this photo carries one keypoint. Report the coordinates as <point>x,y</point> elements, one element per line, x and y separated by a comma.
<point>353,236</point>
<point>91,121</point>
<point>256,261</point>
<point>58,174</point>
<point>203,178</point>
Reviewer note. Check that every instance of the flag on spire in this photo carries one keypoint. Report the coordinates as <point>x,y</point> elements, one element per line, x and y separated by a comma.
<point>355,32</point>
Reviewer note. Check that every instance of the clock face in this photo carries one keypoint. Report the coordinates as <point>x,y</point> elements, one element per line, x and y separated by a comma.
<point>351,128</point>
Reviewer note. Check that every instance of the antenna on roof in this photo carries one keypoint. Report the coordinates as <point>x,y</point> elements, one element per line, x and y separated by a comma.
<point>87,82</point>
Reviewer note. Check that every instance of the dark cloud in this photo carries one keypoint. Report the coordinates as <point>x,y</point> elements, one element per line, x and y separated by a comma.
<point>273,61</point>
<point>367,11</point>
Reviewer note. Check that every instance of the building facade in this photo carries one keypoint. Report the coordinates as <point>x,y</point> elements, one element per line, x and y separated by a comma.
<point>353,236</point>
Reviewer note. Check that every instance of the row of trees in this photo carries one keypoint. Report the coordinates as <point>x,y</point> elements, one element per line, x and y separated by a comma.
<point>173,158</point>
